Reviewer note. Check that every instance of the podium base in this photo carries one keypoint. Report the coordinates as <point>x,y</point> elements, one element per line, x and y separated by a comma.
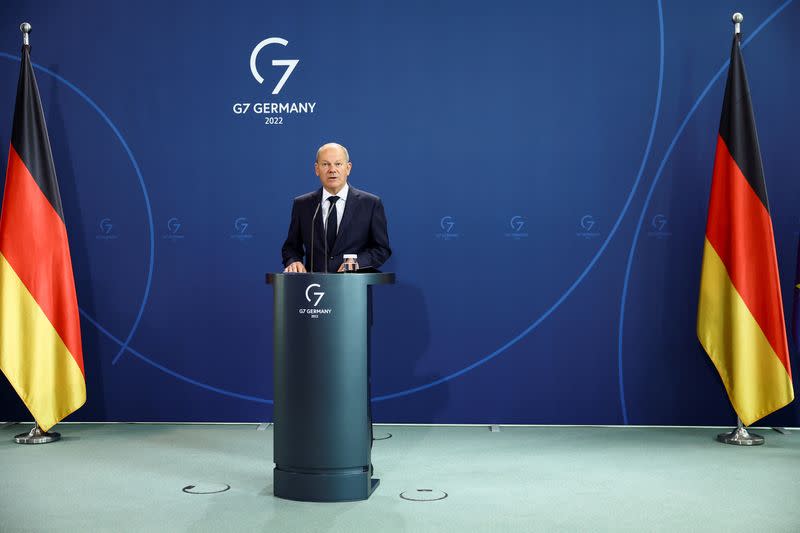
<point>329,487</point>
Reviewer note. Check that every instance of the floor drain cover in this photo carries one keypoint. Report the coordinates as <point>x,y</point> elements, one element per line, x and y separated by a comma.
<point>423,495</point>
<point>206,488</point>
<point>382,436</point>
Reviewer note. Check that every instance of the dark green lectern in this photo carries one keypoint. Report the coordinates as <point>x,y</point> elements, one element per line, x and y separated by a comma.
<point>322,426</point>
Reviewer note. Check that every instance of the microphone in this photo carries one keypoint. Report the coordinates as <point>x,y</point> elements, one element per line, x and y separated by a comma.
<point>313,220</point>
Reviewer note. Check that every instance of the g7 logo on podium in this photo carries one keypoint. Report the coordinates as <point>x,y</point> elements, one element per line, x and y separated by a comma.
<point>291,63</point>
<point>319,295</point>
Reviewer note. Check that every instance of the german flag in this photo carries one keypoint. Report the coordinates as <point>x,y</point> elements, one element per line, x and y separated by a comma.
<point>40,336</point>
<point>740,320</point>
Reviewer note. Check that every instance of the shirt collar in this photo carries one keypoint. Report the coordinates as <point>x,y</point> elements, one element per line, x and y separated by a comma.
<point>342,194</point>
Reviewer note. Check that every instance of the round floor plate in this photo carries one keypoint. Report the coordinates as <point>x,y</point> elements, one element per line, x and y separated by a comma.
<point>423,495</point>
<point>206,488</point>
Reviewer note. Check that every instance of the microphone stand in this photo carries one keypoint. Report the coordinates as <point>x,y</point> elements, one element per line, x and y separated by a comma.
<point>313,224</point>
<point>325,238</point>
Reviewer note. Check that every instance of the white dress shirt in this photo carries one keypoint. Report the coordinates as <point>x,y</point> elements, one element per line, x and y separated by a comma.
<point>326,206</point>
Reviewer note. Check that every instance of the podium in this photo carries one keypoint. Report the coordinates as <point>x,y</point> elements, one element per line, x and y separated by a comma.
<point>322,424</point>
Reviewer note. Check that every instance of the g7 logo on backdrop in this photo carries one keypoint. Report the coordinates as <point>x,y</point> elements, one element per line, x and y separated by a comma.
<point>290,63</point>
<point>588,223</point>
<point>173,225</point>
<point>240,225</point>
<point>447,224</point>
<point>660,230</point>
<point>517,224</point>
<point>106,233</point>
<point>658,222</point>
<point>105,226</point>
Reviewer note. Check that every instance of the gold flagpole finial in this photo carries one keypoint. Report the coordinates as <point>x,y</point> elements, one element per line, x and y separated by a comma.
<point>25,28</point>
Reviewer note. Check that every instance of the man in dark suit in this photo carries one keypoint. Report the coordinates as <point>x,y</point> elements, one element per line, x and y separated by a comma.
<point>338,219</point>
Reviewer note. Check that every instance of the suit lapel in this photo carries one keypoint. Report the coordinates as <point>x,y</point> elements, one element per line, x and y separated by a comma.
<point>351,205</point>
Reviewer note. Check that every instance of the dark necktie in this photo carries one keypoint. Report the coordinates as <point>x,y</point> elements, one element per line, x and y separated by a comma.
<point>333,221</point>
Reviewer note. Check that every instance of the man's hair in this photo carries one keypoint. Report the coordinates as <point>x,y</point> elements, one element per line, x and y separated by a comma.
<point>337,145</point>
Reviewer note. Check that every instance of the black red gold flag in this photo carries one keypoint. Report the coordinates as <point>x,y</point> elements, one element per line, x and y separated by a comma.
<point>40,337</point>
<point>740,320</point>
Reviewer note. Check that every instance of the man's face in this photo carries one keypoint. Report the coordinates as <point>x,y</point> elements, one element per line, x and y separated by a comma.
<point>332,168</point>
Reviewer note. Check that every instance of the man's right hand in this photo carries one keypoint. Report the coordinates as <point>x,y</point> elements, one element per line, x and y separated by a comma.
<point>297,266</point>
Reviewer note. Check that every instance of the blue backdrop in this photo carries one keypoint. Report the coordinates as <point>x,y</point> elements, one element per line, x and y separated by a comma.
<point>545,168</point>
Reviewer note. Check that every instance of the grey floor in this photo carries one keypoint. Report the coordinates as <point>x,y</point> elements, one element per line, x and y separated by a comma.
<point>129,477</point>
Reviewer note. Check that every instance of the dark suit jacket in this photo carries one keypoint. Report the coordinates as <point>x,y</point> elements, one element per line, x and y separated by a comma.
<point>362,231</point>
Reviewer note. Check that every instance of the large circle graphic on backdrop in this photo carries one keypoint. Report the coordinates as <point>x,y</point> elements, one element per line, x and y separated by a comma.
<point>125,344</point>
<point>649,197</point>
<point>591,264</point>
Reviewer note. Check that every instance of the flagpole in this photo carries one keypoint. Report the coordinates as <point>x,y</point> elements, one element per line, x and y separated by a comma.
<point>740,436</point>
<point>35,435</point>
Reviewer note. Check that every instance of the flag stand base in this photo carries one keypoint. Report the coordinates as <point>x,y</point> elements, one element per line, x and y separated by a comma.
<point>741,437</point>
<point>37,436</point>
